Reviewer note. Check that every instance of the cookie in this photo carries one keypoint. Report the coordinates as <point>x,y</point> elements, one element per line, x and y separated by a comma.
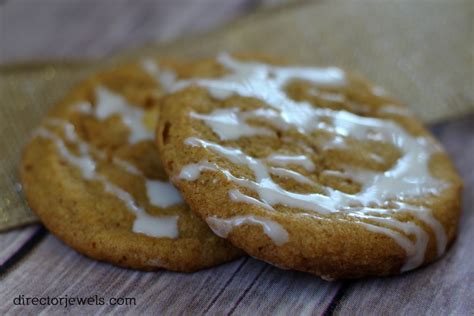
<point>312,169</point>
<point>91,172</point>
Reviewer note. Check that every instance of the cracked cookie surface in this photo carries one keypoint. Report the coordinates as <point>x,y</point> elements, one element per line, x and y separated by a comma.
<point>313,169</point>
<point>92,174</point>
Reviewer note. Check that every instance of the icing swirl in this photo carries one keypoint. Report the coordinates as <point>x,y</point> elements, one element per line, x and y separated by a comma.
<point>382,194</point>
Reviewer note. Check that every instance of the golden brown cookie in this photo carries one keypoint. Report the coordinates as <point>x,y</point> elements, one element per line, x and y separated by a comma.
<point>312,169</point>
<point>92,174</point>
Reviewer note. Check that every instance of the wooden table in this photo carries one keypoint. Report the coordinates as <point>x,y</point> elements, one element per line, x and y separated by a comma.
<point>34,263</point>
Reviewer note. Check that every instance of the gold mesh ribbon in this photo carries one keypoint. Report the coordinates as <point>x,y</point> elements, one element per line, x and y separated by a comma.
<point>421,51</point>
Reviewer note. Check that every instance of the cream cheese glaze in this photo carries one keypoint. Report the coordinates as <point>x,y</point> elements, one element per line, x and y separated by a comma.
<point>160,193</point>
<point>165,77</point>
<point>109,103</point>
<point>382,194</point>
<point>222,227</point>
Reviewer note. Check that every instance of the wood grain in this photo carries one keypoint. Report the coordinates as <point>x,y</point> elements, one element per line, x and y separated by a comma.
<point>266,290</point>
<point>11,242</point>
<point>244,286</point>
<point>445,287</point>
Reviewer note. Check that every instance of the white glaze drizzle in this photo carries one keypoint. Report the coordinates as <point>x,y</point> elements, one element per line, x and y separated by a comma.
<point>163,226</point>
<point>82,107</point>
<point>287,173</point>
<point>394,109</point>
<point>109,104</point>
<point>229,126</point>
<point>162,193</point>
<point>193,171</point>
<point>285,160</point>
<point>165,77</point>
<point>327,96</point>
<point>409,177</point>
<point>222,227</point>
<point>237,196</point>
<point>125,165</point>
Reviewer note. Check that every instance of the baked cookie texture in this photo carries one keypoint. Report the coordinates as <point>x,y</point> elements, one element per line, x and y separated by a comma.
<point>313,169</point>
<point>92,174</point>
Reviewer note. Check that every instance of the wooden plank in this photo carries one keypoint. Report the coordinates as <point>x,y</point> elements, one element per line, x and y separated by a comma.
<point>53,269</point>
<point>12,241</point>
<point>262,289</point>
<point>242,286</point>
<point>445,287</point>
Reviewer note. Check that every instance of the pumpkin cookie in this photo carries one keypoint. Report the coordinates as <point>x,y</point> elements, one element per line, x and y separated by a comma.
<point>92,174</point>
<point>312,169</point>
